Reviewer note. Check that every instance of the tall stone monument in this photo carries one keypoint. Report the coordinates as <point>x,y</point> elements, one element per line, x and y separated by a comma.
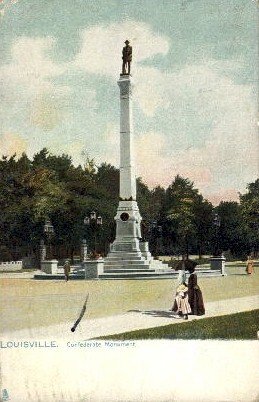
<point>127,251</point>
<point>128,217</point>
<point>129,255</point>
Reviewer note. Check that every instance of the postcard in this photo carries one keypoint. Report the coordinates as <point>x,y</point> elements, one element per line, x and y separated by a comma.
<point>129,198</point>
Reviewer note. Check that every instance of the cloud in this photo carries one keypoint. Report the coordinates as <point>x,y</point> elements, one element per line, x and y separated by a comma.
<point>107,150</point>
<point>12,143</point>
<point>30,95</point>
<point>195,97</point>
<point>5,5</point>
<point>101,50</point>
<point>45,113</point>
<point>151,164</point>
<point>158,167</point>
<point>203,121</point>
<point>102,46</point>
<point>112,146</point>
<point>227,158</point>
<point>31,67</point>
<point>196,120</point>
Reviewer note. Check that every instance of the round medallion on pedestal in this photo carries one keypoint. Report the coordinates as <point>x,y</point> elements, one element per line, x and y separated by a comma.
<point>124,216</point>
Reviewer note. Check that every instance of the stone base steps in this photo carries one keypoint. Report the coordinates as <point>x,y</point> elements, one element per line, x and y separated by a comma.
<point>127,270</point>
<point>125,262</point>
<point>129,273</point>
<point>151,273</point>
<point>44,276</point>
<point>124,255</point>
<point>136,275</point>
<point>137,267</point>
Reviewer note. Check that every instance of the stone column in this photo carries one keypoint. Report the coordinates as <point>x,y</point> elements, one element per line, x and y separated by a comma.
<point>83,251</point>
<point>127,165</point>
<point>43,251</point>
<point>128,218</point>
<point>127,252</point>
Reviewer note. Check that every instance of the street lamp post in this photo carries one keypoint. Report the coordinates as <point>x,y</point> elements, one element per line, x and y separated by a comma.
<point>216,223</point>
<point>217,261</point>
<point>49,233</point>
<point>42,250</point>
<point>93,222</point>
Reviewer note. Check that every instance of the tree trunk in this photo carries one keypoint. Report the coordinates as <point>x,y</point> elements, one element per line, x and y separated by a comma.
<point>200,251</point>
<point>187,248</point>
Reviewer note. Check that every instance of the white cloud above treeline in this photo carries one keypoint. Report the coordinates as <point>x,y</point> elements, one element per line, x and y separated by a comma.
<point>221,164</point>
<point>101,46</point>
<point>31,66</point>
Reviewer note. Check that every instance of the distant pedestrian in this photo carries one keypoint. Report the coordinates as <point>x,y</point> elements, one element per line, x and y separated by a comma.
<point>249,265</point>
<point>67,269</point>
<point>194,294</point>
<point>181,305</point>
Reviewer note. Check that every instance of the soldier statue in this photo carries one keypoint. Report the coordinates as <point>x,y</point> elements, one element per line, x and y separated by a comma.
<point>126,57</point>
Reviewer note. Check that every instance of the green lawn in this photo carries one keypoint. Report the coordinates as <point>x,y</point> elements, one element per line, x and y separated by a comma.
<point>28,303</point>
<point>242,326</point>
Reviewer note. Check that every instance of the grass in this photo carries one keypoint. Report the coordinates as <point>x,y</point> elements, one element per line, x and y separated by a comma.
<point>29,303</point>
<point>237,326</point>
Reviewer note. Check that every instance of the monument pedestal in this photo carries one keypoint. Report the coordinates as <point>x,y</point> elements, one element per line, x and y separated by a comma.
<point>218,263</point>
<point>92,268</point>
<point>49,266</point>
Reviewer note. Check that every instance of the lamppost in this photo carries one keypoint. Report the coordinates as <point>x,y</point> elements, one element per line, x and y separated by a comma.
<point>216,223</point>
<point>155,233</point>
<point>93,222</point>
<point>49,233</point>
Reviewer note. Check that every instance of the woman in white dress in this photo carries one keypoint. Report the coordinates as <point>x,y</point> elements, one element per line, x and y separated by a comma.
<point>181,304</point>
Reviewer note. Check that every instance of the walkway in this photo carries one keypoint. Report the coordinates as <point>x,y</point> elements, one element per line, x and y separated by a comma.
<point>130,321</point>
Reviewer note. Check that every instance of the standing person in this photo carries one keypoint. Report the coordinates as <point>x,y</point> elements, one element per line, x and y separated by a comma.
<point>194,294</point>
<point>181,305</point>
<point>249,265</point>
<point>182,274</point>
<point>67,269</point>
<point>181,266</point>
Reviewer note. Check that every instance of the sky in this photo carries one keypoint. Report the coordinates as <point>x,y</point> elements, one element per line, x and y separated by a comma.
<point>195,91</point>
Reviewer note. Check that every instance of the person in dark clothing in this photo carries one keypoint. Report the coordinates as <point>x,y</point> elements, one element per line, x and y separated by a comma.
<point>67,269</point>
<point>195,295</point>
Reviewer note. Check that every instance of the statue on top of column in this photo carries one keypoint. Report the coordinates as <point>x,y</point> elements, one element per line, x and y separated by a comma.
<point>126,57</point>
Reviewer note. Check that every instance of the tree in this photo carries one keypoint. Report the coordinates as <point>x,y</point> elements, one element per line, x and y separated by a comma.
<point>250,212</point>
<point>179,203</point>
<point>50,186</point>
<point>188,217</point>
<point>203,218</point>
<point>233,232</point>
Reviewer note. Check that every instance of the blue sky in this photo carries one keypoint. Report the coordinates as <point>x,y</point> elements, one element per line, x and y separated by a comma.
<point>195,85</point>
